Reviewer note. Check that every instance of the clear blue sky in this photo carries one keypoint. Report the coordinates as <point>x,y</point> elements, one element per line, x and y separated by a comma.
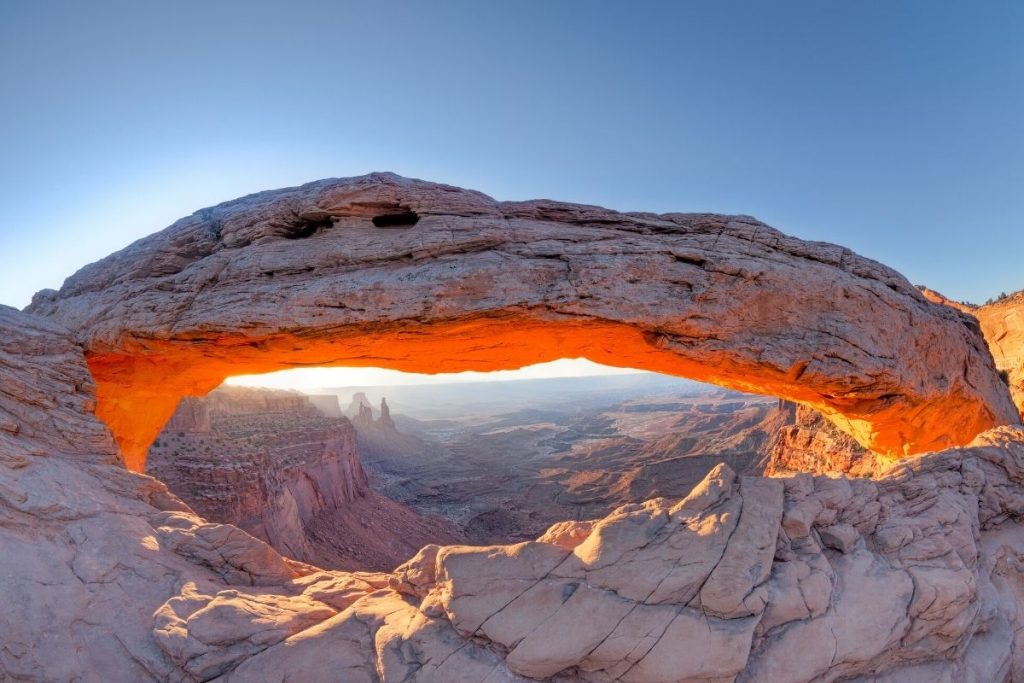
<point>895,128</point>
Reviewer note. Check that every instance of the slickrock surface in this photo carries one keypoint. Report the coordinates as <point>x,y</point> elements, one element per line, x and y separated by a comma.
<point>917,575</point>
<point>273,464</point>
<point>454,280</point>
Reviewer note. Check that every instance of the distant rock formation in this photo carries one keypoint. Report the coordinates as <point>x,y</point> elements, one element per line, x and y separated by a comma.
<point>326,404</point>
<point>356,405</point>
<point>271,463</point>
<point>360,412</point>
<point>385,421</point>
<point>192,416</point>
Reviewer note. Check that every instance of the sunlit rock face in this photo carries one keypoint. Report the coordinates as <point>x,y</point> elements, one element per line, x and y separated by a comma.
<point>1003,324</point>
<point>397,273</point>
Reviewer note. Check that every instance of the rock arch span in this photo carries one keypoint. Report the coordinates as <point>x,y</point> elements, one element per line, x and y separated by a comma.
<point>387,271</point>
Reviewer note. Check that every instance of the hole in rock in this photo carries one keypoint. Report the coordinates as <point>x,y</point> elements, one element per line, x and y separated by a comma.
<point>357,468</point>
<point>402,219</point>
<point>308,228</point>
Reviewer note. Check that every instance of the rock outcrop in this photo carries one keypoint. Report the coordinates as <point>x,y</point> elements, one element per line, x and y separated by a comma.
<point>914,575</point>
<point>807,442</point>
<point>361,413</point>
<point>271,463</point>
<point>358,406</point>
<point>1003,324</point>
<point>327,404</point>
<point>386,271</point>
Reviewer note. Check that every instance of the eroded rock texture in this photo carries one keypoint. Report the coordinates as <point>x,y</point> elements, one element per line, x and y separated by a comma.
<point>807,442</point>
<point>273,464</point>
<point>913,576</point>
<point>1003,325</point>
<point>386,271</point>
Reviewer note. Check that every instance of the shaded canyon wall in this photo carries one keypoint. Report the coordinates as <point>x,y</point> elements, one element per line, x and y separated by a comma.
<point>273,464</point>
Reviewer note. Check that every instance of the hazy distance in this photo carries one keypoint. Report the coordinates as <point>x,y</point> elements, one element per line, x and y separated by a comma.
<point>314,378</point>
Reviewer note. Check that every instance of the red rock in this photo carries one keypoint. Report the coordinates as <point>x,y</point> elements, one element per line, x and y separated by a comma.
<point>1003,325</point>
<point>273,464</point>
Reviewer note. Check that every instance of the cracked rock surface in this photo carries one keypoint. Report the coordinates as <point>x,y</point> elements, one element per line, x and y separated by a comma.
<point>916,574</point>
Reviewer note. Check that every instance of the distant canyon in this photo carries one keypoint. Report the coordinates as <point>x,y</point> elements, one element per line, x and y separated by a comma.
<point>481,463</point>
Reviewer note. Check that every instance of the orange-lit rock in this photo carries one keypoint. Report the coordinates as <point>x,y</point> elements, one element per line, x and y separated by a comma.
<point>1003,325</point>
<point>457,281</point>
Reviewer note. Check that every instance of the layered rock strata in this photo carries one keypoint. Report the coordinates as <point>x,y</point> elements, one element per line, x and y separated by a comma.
<point>391,272</point>
<point>273,464</point>
<point>915,575</point>
<point>1003,324</point>
<point>807,442</point>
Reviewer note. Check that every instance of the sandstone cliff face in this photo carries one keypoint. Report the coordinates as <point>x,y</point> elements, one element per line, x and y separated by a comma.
<point>272,464</point>
<point>807,442</point>
<point>422,277</point>
<point>90,550</point>
<point>1003,325</point>
<point>912,576</point>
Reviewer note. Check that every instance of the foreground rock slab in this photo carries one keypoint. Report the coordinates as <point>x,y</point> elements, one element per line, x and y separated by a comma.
<point>914,575</point>
<point>386,271</point>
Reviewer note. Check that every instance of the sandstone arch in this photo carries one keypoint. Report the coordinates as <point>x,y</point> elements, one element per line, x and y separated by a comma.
<point>447,279</point>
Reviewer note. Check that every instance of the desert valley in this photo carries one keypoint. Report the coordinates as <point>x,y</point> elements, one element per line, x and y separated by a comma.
<point>820,487</point>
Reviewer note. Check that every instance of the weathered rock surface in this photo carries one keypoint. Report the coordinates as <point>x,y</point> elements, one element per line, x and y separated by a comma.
<point>1003,325</point>
<point>361,413</point>
<point>807,442</point>
<point>271,463</point>
<point>915,575</point>
<point>386,271</point>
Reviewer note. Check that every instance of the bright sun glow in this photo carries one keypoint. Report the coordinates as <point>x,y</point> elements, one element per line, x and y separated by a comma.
<point>312,378</point>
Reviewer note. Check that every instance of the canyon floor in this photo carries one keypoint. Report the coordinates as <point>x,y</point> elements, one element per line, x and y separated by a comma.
<point>505,468</point>
<point>484,463</point>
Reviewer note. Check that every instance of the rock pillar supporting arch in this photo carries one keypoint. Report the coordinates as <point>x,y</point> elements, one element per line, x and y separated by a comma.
<point>385,271</point>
